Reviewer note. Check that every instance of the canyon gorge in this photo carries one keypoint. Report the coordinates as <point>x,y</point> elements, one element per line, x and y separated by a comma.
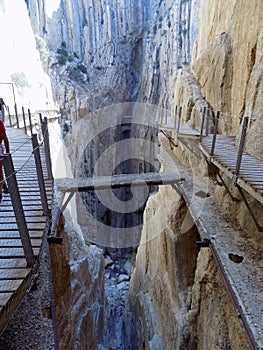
<point>133,277</point>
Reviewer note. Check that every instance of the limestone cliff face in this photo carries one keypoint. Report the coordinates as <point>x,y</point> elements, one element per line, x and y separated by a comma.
<point>227,65</point>
<point>177,299</point>
<point>106,52</point>
<point>78,279</point>
<point>114,51</point>
<point>225,74</point>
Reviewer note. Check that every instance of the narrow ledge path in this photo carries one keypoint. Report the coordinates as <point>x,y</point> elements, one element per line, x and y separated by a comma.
<point>244,280</point>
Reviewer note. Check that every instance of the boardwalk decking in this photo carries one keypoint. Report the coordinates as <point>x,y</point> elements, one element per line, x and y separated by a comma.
<point>15,276</point>
<point>250,176</point>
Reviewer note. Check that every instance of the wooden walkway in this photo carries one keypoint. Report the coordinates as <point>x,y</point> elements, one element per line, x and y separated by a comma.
<point>15,276</point>
<point>225,156</point>
<point>250,176</point>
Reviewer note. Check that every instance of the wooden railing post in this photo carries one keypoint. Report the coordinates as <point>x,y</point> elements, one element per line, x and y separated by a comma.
<point>18,209</point>
<point>44,128</point>
<point>40,176</point>
<point>241,145</point>
<point>24,120</point>
<point>215,133</point>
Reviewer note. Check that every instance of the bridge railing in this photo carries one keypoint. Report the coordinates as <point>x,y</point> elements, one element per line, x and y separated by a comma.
<point>206,121</point>
<point>11,179</point>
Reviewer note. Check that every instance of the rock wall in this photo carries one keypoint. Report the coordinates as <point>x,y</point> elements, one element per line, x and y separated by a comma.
<point>177,299</point>
<point>78,280</point>
<point>104,52</point>
<point>225,74</point>
<point>227,66</point>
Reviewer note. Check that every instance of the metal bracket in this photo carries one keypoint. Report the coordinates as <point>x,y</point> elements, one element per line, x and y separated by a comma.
<point>56,240</point>
<point>217,172</point>
<point>260,228</point>
<point>170,139</point>
<point>205,243</point>
<point>234,199</point>
<point>176,189</point>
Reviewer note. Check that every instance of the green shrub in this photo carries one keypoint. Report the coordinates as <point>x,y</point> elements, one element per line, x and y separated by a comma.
<point>62,54</point>
<point>21,82</point>
<point>42,48</point>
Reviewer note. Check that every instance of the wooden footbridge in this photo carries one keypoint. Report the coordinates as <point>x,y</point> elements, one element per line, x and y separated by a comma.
<point>24,215</point>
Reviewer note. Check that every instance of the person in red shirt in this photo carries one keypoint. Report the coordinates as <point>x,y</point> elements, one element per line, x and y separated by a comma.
<point>3,137</point>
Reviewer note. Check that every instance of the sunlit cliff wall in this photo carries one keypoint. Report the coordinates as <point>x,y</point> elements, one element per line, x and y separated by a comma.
<point>227,65</point>
<point>178,297</point>
<point>114,51</point>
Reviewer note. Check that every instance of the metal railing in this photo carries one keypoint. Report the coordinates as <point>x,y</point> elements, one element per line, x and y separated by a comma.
<point>207,122</point>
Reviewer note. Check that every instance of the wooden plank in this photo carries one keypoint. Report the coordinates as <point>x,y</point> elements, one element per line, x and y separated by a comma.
<point>12,274</point>
<point>12,227</point>
<point>30,220</point>
<point>7,207</point>
<point>7,253</point>
<point>28,213</point>
<point>15,234</point>
<point>8,286</point>
<point>4,298</point>
<point>5,243</point>
<point>251,171</point>
<point>13,263</point>
<point>229,169</point>
<point>116,181</point>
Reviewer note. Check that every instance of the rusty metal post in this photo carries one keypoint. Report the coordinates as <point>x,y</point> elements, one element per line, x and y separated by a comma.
<point>44,128</point>
<point>24,119</point>
<point>241,145</point>
<point>202,122</point>
<point>207,122</point>
<point>175,116</point>
<point>18,209</point>
<point>40,176</point>
<point>30,121</point>
<point>179,120</point>
<point>215,133</point>
<point>17,119</point>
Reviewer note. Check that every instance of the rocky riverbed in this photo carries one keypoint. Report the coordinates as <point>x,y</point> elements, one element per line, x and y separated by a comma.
<point>117,280</point>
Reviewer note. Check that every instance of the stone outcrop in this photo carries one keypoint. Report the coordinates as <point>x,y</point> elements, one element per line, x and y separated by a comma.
<point>78,291</point>
<point>177,299</point>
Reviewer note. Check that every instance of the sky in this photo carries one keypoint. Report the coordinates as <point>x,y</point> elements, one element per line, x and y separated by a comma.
<point>19,54</point>
<point>51,6</point>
